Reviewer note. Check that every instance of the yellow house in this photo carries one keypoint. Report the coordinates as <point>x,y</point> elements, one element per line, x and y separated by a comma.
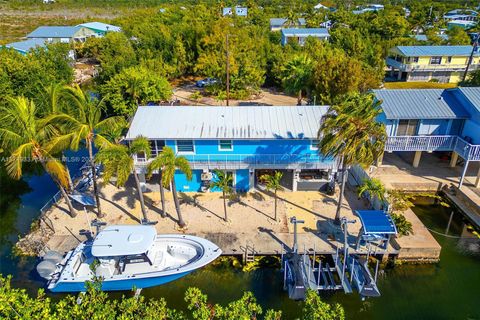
<point>424,63</point>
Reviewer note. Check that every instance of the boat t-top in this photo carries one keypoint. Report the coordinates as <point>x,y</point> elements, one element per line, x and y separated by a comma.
<point>127,257</point>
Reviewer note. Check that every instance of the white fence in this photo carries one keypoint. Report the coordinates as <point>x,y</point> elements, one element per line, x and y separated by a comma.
<point>356,177</point>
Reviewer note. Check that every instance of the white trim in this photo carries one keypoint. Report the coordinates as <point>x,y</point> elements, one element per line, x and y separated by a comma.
<point>219,144</point>
<point>184,152</point>
<point>312,146</point>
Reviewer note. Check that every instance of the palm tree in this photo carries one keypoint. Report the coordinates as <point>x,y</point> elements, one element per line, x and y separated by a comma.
<point>373,187</point>
<point>25,136</point>
<point>118,161</point>
<point>350,131</point>
<point>158,163</point>
<point>224,182</point>
<point>272,182</point>
<point>171,163</point>
<point>81,122</point>
<point>296,75</point>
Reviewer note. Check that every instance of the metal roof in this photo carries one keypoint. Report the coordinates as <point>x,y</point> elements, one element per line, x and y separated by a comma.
<point>27,45</point>
<point>423,37</point>
<point>100,26</point>
<point>305,31</point>
<point>420,104</point>
<point>376,222</point>
<point>54,32</point>
<point>274,22</point>
<point>419,51</point>
<point>242,122</point>
<point>473,95</point>
<point>122,240</point>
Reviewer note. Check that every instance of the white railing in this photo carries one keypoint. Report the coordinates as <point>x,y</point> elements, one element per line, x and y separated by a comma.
<point>313,161</point>
<point>429,67</point>
<point>434,143</point>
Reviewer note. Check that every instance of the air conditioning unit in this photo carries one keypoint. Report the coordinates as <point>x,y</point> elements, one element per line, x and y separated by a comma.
<point>206,176</point>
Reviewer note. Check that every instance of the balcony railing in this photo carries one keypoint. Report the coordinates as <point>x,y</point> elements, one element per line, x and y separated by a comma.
<point>408,67</point>
<point>244,161</point>
<point>434,143</point>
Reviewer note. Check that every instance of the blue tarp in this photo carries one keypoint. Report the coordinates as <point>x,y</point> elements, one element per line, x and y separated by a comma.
<point>376,222</point>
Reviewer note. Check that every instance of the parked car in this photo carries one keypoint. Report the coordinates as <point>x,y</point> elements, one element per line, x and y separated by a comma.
<point>206,82</point>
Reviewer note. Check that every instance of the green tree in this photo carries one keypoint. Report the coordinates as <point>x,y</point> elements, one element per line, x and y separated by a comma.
<point>296,75</point>
<point>171,163</point>
<point>24,136</point>
<point>373,188</point>
<point>473,79</point>
<point>316,309</point>
<point>118,161</point>
<point>272,182</point>
<point>81,121</point>
<point>114,52</point>
<point>224,182</point>
<point>132,87</point>
<point>158,164</point>
<point>457,36</point>
<point>350,131</point>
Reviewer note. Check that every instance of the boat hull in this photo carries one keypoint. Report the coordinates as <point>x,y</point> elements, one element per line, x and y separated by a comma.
<point>118,285</point>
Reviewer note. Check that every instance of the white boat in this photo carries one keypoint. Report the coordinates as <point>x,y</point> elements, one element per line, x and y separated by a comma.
<point>126,257</point>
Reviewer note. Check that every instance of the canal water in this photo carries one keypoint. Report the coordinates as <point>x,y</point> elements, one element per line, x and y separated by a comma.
<point>447,290</point>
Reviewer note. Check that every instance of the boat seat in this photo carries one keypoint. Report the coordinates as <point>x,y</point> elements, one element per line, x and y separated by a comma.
<point>158,260</point>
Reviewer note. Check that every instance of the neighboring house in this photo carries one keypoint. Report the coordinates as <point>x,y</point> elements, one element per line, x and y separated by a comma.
<point>321,7</point>
<point>24,47</point>
<point>424,63</point>
<point>461,14</point>
<point>62,33</point>
<point>100,28</point>
<point>246,141</point>
<point>423,37</point>
<point>277,24</point>
<point>239,11</point>
<point>368,8</point>
<point>300,35</point>
<point>465,25</point>
<point>432,120</point>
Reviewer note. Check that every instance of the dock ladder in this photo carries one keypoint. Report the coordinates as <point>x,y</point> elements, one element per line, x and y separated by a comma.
<point>249,253</point>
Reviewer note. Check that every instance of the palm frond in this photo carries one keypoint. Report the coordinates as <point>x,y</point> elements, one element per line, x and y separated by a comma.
<point>56,169</point>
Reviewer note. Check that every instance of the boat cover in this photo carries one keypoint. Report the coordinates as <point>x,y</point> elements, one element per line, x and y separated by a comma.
<point>123,240</point>
<point>83,199</point>
<point>376,222</point>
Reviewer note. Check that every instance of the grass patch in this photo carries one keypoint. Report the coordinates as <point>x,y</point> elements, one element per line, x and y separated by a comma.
<point>419,85</point>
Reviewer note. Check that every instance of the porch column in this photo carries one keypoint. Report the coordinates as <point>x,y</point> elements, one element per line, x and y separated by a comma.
<point>296,174</point>
<point>453,160</point>
<point>477,181</point>
<point>463,174</point>
<point>416,159</point>
<point>399,75</point>
<point>380,160</point>
<point>251,179</point>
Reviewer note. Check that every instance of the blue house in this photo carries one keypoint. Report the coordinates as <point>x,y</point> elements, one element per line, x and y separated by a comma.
<point>299,35</point>
<point>61,33</point>
<point>100,28</point>
<point>245,141</point>
<point>26,46</point>
<point>431,120</point>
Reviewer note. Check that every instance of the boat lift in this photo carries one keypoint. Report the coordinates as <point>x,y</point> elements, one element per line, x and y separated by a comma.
<point>302,271</point>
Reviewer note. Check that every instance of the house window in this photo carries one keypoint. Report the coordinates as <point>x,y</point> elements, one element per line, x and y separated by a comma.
<point>436,60</point>
<point>314,144</point>
<point>156,146</point>
<point>225,145</point>
<point>407,127</point>
<point>185,146</point>
<point>449,59</point>
<point>413,59</point>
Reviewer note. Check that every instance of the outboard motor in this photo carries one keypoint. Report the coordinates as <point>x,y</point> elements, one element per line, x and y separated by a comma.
<point>49,264</point>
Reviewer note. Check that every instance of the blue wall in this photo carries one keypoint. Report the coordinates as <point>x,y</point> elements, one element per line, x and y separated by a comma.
<point>242,180</point>
<point>183,185</point>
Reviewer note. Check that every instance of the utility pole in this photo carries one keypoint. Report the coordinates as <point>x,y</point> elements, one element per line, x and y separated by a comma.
<point>470,59</point>
<point>228,71</point>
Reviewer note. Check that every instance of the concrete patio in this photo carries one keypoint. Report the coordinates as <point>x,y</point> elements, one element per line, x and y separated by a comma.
<point>250,224</point>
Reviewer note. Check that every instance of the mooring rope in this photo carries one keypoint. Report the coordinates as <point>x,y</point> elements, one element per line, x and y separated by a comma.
<point>449,236</point>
